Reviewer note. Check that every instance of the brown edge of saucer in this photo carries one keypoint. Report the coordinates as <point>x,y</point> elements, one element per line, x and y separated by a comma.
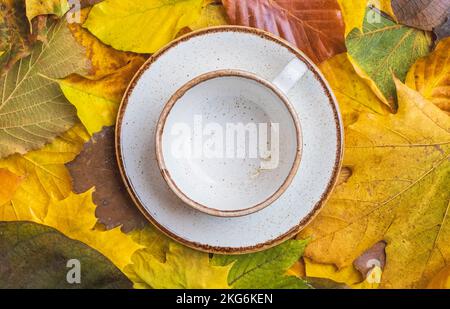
<point>338,159</point>
<point>160,130</point>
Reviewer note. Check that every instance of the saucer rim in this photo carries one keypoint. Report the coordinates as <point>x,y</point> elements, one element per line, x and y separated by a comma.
<point>338,156</point>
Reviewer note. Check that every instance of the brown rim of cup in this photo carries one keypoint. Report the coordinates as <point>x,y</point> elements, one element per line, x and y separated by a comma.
<point>160,130</point>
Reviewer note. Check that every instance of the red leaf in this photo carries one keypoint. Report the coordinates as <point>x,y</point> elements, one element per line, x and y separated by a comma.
<point>314,26</point>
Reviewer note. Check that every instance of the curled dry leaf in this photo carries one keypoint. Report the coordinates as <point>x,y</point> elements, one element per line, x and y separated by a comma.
<point>385,49</point>
<point>36,256</point>
<point>33,110</point>
<point>316,27</point>
<point>422,14</point>
<point>431,76</point>
<point>398,193</point>
<point>96,167</point>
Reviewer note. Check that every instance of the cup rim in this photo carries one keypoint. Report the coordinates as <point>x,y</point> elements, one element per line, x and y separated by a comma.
<point>160,130</point>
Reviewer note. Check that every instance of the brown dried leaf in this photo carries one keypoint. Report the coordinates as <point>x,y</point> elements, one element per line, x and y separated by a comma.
<point>422,14</point>
<point>96,166</point>
<point>316,27</point>
<point>374,256</point>
<point>443,31</point>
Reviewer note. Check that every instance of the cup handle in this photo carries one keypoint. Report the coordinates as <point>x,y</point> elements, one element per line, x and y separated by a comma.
<point>290,75</point>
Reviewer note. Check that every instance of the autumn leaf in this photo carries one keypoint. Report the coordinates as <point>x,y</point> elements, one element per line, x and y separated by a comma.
<point>33,110</point>
<point>422,14</point>
<point>75,218</point>
<point>96,166</point>
<point>347,276</point>
<point>183,268</point>
<point>10,183</point>
<point>398,193</point>
<point>353,94</point>
<point>141,26</point>
<point>47,7</point>
<point>266,269</point>
<point>212,15</point>
<point>431,76</point>
<point>441,280</point>
<point>384,49</point>
<point>315,27</point>
<point>353,13</point>
<point>97,95</point>
<point>44,177</point>
<point>15,37</point>
<point>384,6</point>
<point>36,256</point>
<point>443,31</point>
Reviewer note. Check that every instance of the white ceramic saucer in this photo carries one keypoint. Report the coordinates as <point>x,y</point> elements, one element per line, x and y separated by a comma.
<point>264,55</point>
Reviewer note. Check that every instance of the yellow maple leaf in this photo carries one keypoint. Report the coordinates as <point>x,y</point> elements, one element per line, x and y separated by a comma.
<point>44,176</point>
<point>353,94</point>
<point>430,76</point>
<point>9,184</point>
<point>75,218</point>
<point>183,268</point>
<point>142,26</point>
<point>397,192</point>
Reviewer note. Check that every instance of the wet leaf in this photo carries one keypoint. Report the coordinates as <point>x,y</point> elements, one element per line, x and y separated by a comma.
<point>316,27</point>
<point>266,269</point>
<point>422,14</point>
<point>385,49</point>
<point>33,110</point>
<point>36,256</point>
<point>398,193</point>
<point>431,76</point>
<point>96,167</point>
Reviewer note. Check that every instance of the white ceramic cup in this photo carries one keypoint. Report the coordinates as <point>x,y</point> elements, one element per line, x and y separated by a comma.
<point>229,143</point>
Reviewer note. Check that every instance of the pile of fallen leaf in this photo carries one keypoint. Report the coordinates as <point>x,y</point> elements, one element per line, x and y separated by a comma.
<point>64,70</point>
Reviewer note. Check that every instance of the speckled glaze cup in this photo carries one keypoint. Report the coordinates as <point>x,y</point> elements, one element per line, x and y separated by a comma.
<point>229,143</point>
